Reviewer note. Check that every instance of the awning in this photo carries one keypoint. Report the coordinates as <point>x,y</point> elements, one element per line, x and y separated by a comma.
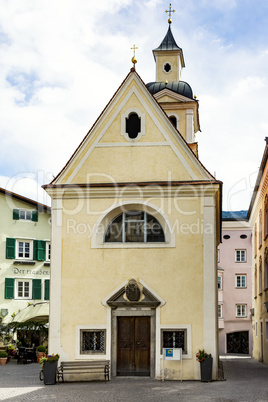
<point>33,312</point>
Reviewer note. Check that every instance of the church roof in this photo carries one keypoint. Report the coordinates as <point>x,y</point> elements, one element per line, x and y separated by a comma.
<point>234,215</point>
<point>180,87</point>
<point>168,43</point>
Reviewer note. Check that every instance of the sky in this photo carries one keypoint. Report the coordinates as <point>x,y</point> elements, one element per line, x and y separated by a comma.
<point>62,61</point>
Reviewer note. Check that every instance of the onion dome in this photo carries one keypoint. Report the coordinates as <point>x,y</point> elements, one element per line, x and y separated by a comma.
<point>180,87</point>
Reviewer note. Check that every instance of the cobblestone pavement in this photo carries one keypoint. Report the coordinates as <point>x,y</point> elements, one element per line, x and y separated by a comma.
<point>246,380</point>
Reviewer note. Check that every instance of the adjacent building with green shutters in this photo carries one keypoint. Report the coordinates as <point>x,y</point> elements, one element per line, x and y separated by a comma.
<point>24,258</point>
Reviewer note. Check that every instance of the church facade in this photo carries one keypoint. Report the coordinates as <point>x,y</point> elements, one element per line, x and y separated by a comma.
<point>136,223</point>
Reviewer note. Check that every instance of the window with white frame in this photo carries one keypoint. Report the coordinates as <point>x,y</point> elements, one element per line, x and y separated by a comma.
<point>25,215</point>
<point>48,251</point>
<point>241,310</point>
<point>240,256</point>
<point>24,249</point>
<point>241,281</point>
<point>92,341</point>
<point>176,338</point>
<point>219,310</point>
<point>134,227</point>
<point>23,289</point>
<point>219,282</point>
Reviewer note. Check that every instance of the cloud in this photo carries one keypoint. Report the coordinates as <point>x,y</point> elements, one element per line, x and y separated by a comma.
<point>60,65</point>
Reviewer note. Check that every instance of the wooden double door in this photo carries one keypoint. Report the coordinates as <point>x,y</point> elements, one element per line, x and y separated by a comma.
<point>133,346</point>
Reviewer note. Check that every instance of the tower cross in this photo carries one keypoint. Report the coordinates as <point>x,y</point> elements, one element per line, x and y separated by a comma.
<point>169,11</point>
<point>134,48</point>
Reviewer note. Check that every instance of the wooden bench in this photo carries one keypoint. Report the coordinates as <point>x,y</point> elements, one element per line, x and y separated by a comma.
<point>84,367</point>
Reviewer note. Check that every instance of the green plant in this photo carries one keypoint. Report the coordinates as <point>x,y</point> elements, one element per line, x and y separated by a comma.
<point>11,350</point>
<point>41,348</point>
<point>202,355</point>
<point>3,354</point>
<point>49,358</point>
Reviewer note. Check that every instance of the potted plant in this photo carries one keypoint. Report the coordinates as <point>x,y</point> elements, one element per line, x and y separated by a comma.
<point>11,352</point>
<point>205,359</point>
<point>49,366</point>
<point>40,351</point>
<point>3,357</point>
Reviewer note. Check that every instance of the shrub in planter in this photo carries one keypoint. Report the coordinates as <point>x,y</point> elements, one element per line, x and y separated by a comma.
<point>41,348</point>
<point>40,351</point>
<point>3,357</point>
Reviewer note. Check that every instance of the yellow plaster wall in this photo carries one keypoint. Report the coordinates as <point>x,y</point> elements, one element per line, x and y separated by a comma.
<point>260,313</point>
<point>136,164</point>
<point>162,75</point>
<point>90,275</point>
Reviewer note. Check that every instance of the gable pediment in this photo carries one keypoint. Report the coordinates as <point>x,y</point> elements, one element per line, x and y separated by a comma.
<point>107,154</point>
<point>166,95</point>
<point>133,294</point>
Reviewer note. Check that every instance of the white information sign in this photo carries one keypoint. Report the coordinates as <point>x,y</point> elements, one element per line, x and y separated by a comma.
<point>171,354</point>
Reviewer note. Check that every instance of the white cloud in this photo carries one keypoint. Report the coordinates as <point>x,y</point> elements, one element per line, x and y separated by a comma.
<point>61,64</point>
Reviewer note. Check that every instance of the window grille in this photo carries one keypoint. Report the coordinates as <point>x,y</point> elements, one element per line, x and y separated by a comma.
<point>175,339</point>
<point>93,341</point>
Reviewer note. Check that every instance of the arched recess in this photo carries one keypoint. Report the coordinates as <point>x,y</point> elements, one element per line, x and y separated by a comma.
<point>174,118</point>
<point>106,218</point>
<point>125,118</point>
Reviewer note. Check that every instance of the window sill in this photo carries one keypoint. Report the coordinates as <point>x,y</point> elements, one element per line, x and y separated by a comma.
<point>47,264</point>
<point>24,262</point>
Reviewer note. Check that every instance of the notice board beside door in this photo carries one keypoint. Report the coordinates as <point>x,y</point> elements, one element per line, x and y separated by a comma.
<point>171,354</point>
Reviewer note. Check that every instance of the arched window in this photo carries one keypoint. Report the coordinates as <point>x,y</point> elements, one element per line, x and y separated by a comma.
<point>133,125</point>
<point>167,67</point>
<point>173,120</point>
<point>134,227</point>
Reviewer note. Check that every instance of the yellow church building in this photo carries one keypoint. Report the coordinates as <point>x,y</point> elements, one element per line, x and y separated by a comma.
<point>136,221</point>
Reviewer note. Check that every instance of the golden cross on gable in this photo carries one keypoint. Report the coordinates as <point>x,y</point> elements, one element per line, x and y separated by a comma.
<point>134,48</point>
<point>169,11</point>
<point>134,60</point>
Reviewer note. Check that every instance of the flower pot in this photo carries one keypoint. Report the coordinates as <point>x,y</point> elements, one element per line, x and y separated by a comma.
<point>206,369</point>
<point>3,360</point>
<point>49,372</point>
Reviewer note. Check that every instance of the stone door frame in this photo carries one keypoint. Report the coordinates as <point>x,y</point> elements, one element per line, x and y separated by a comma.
<point>132,312</point>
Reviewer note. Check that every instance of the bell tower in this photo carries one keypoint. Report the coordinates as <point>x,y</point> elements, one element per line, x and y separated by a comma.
<point>174,95</point>
<point>168,56</point>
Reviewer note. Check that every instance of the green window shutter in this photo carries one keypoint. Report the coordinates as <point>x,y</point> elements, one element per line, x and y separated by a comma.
<point>9,288</point>
<point>39,253</point>
<point>10,248</point>
<point>36,294</point>
<point>35,216</point>
<point>16,214</point>
<point>47,281</point>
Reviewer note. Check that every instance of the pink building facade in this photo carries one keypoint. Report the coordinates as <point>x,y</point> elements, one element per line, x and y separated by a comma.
<point>235,286</point>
